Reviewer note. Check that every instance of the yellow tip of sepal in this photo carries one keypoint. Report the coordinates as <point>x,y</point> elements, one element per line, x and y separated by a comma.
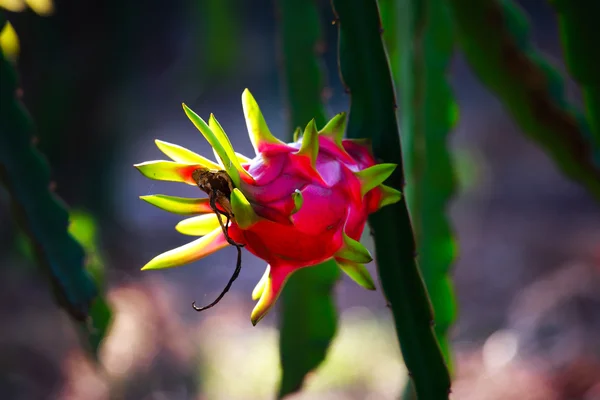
<point>178,205</point>
<point>170,171</point>
<point>190,252</point>
<point>181,154</point>
<point>217,129</point>
<point>277,276</point>
<point>199,225</point>
<point>260,286</point>
<point>219,142</point>
<point>255,122</point>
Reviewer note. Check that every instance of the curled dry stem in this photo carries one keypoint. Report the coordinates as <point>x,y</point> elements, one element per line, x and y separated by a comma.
<point>218,186</point>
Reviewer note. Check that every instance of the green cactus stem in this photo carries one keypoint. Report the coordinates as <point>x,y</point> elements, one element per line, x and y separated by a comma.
<point>365,71</point>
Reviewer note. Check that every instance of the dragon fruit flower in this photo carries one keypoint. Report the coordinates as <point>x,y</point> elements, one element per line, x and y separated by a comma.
<point>294,205</point>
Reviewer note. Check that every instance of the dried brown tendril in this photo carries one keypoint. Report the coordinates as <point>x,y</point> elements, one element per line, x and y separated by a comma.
<point>218,186</point>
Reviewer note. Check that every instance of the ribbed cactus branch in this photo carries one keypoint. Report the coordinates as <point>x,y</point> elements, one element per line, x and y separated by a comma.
<point>366,74</point>
<point>308,314</point>
<point>495,40</point>
<point>26,176</point>
<point>578,21</point>
<point>391,11</point>
<point>428,113</point>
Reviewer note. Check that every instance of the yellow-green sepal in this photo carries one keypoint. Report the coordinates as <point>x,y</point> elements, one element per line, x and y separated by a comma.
<point>169,171</point>
<point>310,143</point>
<point>353,250</point>
<point>260,286</point>
<point>255,122</point>
<point>373,176</point>
<point>243,213</point>
<point>199,225</point>
<point>217,129</point>
<point>178,205</point>
<point>357,272</point>
<point>190,252</point>
<point>180,154</point>
<point>217,144</point>
<point>335,128</point>
<point>389,195</point>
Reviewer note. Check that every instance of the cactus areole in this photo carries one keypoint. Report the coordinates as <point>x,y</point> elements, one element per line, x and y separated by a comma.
<point>294,205</point>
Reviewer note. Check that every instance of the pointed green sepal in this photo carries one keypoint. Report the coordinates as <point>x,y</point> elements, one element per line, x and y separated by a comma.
<point>169,171</point>
<point>297,134</point>
<point>357,272</point>
<point>199,225</point>
<point>260,286</point>
<point>374,176</point>
<point>255,122</point>
<point>389,195</point>
<point>276,278</point>
<point>181,154</point>
<point>298,201</point>
<point>310,143</point>
<point>178,205</point>
<point>243,213</point>
<point>190,252</point>
<point>217,129</point>
<point>335,128</point>
<point>353,250</point>
<point>216,144</point>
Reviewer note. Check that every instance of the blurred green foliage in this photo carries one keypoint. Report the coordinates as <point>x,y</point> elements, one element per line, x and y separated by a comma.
<point>41,215</point>
<point>578,21</point>
<point>220,32</point>
<point>494,36</point>
<point>83,228</point>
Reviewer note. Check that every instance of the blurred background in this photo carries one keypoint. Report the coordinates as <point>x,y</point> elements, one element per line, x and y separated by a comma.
<point>103,79</point>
